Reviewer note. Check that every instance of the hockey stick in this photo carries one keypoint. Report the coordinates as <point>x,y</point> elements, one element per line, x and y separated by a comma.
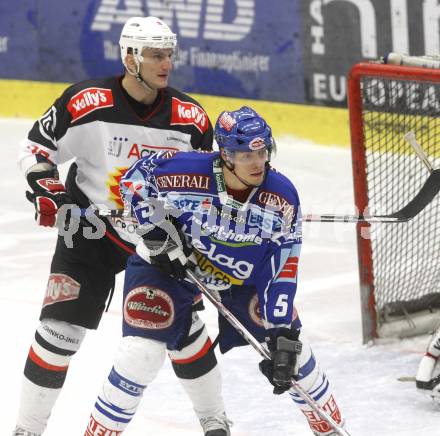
<point>410,137</point>
<point>426,194</point>
<point>406,378</point>
<point>429,190</point>
<point>428,385</point>
<point>104,213</point>
<point>247,336</point>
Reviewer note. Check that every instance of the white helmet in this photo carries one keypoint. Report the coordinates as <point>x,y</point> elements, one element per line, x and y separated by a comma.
<point>145,32</point>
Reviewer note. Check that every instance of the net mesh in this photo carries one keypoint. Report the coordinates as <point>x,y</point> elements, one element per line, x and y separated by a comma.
<point>406,261</point>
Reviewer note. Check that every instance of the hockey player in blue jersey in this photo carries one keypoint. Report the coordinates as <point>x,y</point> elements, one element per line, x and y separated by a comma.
<point>236,222</point>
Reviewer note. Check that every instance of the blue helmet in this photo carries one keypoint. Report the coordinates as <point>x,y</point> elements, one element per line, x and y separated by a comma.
<point>243,130</point>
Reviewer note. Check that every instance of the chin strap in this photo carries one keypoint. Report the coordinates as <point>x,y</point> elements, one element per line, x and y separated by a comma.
<point>144,83</point>
<point>139,78</point>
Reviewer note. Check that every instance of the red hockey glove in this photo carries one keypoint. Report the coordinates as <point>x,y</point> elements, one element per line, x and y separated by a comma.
<point>48,195</point>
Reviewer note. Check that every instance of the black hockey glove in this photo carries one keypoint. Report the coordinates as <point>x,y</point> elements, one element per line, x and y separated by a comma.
<point>166,248</point>
<point>48,195</point>
<point>284,348</point>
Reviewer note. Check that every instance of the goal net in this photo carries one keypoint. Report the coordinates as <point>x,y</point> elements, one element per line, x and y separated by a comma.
<point>399,263</point>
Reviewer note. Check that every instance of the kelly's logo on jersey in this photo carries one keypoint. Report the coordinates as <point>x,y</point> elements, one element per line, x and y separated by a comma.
<point>88,100</point>
<point>184,181</point>
<point>184,112</point>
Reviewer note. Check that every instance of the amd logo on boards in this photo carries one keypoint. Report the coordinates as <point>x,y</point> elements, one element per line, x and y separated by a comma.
<point>188,15</point>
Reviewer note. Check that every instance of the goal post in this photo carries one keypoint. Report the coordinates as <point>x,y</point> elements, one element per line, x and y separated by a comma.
<point>399,263</point>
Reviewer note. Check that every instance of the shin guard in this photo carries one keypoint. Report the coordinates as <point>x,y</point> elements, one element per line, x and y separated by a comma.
<point>137,363</point>
<point>45,371</point>
<point>196,367</point>
<point>314,381</point>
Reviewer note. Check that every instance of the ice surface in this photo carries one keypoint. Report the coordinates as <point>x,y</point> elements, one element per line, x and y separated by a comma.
<point>364,378</point>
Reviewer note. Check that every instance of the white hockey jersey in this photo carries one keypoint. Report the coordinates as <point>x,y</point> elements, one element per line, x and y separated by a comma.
<point>95,124</point>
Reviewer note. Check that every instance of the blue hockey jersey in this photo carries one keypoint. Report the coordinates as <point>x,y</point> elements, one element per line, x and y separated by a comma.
<point>256,243</point>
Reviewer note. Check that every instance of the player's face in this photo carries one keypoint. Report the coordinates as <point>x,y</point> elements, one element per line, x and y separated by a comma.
<point>156,66</point>
<point>251,166</point>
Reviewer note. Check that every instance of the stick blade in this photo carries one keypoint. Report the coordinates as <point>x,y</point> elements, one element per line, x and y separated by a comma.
<point>407,378</point>
<point>429,190</point>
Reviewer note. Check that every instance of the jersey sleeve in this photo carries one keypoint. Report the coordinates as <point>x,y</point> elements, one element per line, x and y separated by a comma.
<point>202,140</point>
<point>277,283</point>
<point>43,141</point>
<point>207,139</point>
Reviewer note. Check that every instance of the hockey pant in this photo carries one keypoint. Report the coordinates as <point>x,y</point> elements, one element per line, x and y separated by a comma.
<point>138,361</point>
<point>314,381</point>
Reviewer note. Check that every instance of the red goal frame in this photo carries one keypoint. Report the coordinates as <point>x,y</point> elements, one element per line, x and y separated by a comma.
<point>354,94</point>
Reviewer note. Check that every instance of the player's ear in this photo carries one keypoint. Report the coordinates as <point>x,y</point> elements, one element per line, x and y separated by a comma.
<point>130,63</point>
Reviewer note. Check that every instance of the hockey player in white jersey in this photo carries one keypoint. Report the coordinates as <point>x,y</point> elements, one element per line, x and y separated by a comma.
<point>105,125</point>
<point>428,374</point>
<point>236,222</point>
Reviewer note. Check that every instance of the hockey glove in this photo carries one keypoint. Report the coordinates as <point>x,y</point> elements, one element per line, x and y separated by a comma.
<point>166,249</point>
<point>48,195</point>
<point>284,348</point>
